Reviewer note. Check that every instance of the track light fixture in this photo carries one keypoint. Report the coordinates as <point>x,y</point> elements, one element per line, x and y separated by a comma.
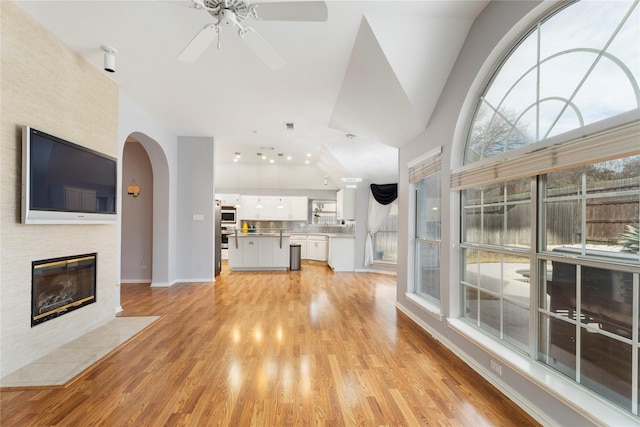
<point>109,58</point>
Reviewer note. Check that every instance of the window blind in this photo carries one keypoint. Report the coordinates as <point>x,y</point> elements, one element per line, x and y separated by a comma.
<point>548,156</point>
<point>425,166</point>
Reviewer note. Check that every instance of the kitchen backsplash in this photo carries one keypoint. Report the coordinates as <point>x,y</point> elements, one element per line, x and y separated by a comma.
<point>301,227</point>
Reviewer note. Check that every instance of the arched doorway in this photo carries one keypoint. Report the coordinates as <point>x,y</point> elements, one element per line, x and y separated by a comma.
<point>153,169</point>
<point>136,254</point>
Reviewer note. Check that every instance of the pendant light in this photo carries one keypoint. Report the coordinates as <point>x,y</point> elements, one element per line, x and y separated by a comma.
<point>280,155</point>
<point>259,202</point>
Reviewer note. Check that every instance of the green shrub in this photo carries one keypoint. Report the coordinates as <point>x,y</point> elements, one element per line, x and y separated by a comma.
<point>630,240</point>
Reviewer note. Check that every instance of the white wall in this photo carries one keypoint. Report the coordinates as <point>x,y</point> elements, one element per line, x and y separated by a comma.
<point>195,210</point>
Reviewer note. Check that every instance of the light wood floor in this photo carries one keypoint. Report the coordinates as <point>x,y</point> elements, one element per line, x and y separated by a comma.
<point>304,348</point>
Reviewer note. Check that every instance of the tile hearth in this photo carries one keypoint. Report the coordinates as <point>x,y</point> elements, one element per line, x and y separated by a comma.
<point>63,364</point>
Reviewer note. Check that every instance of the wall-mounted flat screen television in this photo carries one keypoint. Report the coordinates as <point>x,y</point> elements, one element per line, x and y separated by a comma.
<point>65,183</point>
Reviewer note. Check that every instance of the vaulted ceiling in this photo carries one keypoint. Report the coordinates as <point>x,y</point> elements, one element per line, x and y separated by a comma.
<point>374,69</point>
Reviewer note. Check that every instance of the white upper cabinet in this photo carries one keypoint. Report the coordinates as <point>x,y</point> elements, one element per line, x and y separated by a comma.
<point>267,207</point>
<point>293,208</point>
<point>283,208</point>
<point>228,199</point>
<point>298,209</point>
<point>346,204</point>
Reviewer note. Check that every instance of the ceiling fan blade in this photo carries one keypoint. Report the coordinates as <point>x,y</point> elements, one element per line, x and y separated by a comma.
<point>198,44</point>
<point>263,49</point>
<point>315,11</point>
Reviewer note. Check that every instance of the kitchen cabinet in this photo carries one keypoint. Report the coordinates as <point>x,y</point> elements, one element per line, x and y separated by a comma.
<point>302,241</point>
<point>317,248</point>
<point>228,199</point>
<point>269,206</point>
<point>293,208</point>
<point>283,209</point>
<point>346,204</point>
<point>258,252</point>
<point>248,207</point>
<point>257,207</point>
<point>341,253</point>
<point>299,209</point>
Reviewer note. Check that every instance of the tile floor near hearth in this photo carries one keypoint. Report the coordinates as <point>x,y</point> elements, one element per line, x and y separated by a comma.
<point>65,363</point>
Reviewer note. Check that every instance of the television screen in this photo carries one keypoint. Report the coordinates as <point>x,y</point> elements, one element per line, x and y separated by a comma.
<point>64,182</point>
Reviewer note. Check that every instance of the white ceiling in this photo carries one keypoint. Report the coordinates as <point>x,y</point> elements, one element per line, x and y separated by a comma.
<point>374,69</point>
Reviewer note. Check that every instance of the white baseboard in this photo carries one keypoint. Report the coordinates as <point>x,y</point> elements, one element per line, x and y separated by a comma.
<point>196,280</point>
<point>583,402</point>
<point>485,373</point>
<point>162,284</point>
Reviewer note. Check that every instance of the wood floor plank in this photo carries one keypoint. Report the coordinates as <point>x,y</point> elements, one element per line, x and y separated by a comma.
<point>303,348</point>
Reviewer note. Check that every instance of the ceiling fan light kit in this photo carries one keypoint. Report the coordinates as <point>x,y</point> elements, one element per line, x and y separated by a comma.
<point>230,13</point>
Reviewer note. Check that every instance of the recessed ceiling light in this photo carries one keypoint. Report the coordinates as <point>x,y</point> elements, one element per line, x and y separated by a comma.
<point>306,162</point>
<point>308,154</point>
<point>271,161</point>
<point>288,157</point>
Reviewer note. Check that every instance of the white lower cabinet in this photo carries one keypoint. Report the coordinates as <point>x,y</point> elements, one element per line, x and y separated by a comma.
<point>258,253</point>
<point>302,241</point>
<point>337,251</point>
<point>341,253</point>
<point>317,248</point>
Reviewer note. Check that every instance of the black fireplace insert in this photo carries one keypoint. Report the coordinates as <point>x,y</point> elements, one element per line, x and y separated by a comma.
<point>61,285</point>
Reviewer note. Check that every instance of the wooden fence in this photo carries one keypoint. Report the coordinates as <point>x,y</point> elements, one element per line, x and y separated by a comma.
<point>606,216</point>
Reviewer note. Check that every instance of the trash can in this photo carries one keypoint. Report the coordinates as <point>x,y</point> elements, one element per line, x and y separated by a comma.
<point>295,250</point>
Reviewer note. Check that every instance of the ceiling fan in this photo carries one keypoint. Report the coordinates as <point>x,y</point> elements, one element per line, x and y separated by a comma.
<point>231,13</point>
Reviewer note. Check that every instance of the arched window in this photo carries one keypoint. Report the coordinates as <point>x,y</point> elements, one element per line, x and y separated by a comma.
<point>577,66</point>
<point>550,199</point>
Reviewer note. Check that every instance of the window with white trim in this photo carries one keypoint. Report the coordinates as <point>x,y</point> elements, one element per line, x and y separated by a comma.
<point>550,199</point>
<point>385,241</point>
<point>426,182</point>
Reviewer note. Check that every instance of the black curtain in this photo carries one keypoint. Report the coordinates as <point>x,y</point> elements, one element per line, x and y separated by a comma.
<point>384,193</point>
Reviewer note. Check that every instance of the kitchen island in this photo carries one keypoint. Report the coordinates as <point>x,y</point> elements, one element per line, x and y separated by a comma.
<point>259,250</point>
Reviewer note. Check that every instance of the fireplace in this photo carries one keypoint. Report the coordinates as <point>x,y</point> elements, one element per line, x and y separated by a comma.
<point>61,285</point>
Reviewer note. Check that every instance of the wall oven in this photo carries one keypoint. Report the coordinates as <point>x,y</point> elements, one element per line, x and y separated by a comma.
<point>224,242</point>
<point>228,215</point>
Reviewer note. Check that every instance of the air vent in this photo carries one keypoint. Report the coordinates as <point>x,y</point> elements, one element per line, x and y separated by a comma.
<point>288,126</point>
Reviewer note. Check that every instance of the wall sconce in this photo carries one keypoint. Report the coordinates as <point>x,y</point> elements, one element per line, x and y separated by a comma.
<point>133,189</point>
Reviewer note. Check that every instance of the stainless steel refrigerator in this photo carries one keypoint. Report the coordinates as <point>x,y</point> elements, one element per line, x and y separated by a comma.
<point>217,238</point>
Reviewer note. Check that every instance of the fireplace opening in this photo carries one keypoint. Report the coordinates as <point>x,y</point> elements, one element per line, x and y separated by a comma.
<point>61,285</point>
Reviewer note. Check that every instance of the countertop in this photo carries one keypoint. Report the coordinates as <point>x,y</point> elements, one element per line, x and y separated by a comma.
<point>259,234</point>
<point>333,235</point>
